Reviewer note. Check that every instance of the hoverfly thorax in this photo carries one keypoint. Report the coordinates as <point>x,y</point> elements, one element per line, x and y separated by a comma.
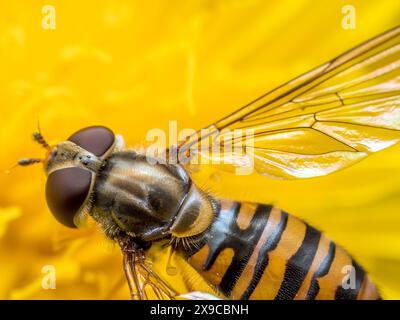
<point>148,200</point>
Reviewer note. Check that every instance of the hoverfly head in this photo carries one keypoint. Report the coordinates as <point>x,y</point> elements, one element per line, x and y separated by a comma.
<point>71,170</point>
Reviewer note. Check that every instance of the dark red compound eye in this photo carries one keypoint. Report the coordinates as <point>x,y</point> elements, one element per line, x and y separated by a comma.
<point>66,191</point>
<point>97,139</point>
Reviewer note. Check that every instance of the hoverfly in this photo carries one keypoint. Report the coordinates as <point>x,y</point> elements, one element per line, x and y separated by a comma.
<point>323,121</point>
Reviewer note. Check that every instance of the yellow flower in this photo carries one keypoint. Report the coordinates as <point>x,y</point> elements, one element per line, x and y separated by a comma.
<point>6,216</point>
<point>135,65</point>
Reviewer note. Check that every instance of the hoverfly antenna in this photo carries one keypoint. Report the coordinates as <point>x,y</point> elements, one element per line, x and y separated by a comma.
<point>24,162</point>
<point>28,161</point>
<point>38,137</point>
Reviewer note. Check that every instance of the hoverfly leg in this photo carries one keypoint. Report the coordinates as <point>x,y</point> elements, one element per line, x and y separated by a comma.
<point>163,287</point>
<point>128,275</point>
<point>132,275</point>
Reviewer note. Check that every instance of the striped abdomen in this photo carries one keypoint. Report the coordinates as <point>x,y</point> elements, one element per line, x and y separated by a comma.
<point>254,251</point>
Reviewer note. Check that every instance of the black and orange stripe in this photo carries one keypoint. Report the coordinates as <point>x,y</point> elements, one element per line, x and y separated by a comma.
<point>255,251</point>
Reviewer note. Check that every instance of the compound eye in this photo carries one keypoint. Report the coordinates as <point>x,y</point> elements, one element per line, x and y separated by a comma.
<point>97,139</point>
<point>66,191</point>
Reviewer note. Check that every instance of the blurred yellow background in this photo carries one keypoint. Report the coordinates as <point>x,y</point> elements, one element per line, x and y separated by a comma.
<point>135,65</point>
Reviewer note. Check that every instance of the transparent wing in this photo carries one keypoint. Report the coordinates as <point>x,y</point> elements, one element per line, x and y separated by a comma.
<point>318,123</point>
<point>144,283</point>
